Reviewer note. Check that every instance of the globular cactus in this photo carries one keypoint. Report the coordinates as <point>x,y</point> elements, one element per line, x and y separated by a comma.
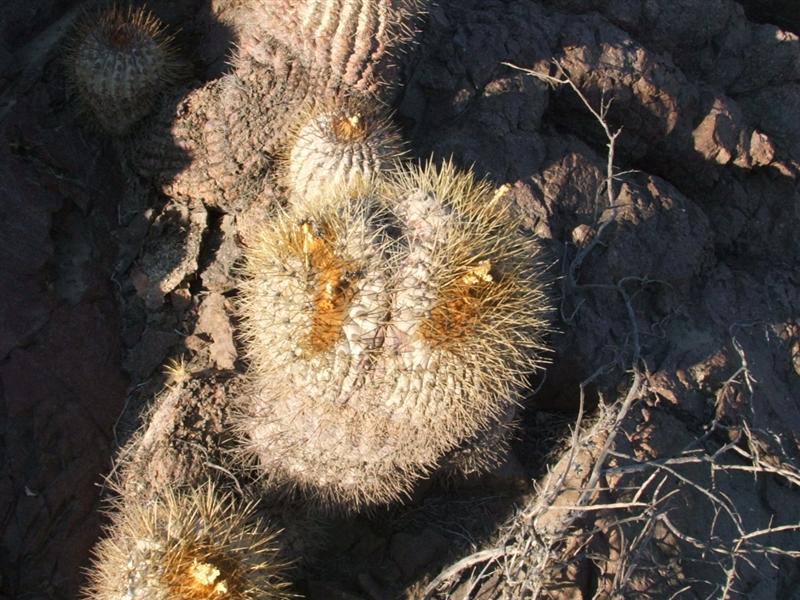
<point>220,142</point>
<point>380,346</point>
<point>355,42</point>
<point>470,287</point>
<point>339,148</point>
<point>119,62</point>
<point>315,300</point>
<point>193,545</point>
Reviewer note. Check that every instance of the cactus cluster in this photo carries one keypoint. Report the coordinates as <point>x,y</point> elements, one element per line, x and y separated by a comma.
<point>386,328</point>
<point>390,313</point>
<point>195,545</point>
<point>119,61</point>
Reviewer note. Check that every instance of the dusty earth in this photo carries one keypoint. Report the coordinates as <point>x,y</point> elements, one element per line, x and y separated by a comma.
<point>687,287</point>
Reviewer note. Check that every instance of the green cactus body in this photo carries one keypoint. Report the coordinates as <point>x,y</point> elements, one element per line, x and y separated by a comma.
<point>339,149</point>
<point>119,63</point>
<point>440,320</point>
<point>192,546</point>
<point>354,41</point>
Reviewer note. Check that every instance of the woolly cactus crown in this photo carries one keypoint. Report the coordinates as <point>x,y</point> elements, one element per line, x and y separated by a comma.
<point>339,148</point>
<point>475,277</point>
<point>305,273</point>
<point>195,545</point>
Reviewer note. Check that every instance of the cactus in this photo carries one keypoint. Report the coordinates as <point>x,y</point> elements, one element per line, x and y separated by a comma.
<point>380,346</point>
<point>483,451</point>
<point>338,149</point>
<point>187,546</point>
<point>353,41</point>
<point>470,285</point>
<point>313,277</point>
<point>118,63</point>
<point>314,301</point>
<point>219,143</point>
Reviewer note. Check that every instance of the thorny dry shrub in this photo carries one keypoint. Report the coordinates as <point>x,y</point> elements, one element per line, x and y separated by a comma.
<point>607,522</point>
<point>610,518</point>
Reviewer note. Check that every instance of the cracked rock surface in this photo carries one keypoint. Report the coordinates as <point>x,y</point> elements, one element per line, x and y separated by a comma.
<point>117,256</point>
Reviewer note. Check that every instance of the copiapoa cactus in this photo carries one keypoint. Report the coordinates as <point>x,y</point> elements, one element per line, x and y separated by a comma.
<point>219,144</point>
<point>315,299</point>
<point>119,61</point>
<point>196,545</point>
<point>337,149</point>
<point>354,41</point>
<point>379,345</point>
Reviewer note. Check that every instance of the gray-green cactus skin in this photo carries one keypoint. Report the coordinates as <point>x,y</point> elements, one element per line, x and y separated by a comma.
<point>119,62</point>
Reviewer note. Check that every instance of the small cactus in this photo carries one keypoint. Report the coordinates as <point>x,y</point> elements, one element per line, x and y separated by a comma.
<point>379,345</point>
<point>354,41</point>
<point>220,142</point>
<point>194,545</point>
<point>339,149</point>
<point>119,62</point>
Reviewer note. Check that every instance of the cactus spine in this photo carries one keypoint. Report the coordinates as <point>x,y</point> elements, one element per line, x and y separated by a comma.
<point>198,545</point>
<point>353,41</point>
<point>339,149</point>
<point>119,63</point>
<point>381,345</point>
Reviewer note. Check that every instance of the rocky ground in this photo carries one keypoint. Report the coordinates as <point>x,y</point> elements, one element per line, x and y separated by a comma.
<point>681,295</point>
